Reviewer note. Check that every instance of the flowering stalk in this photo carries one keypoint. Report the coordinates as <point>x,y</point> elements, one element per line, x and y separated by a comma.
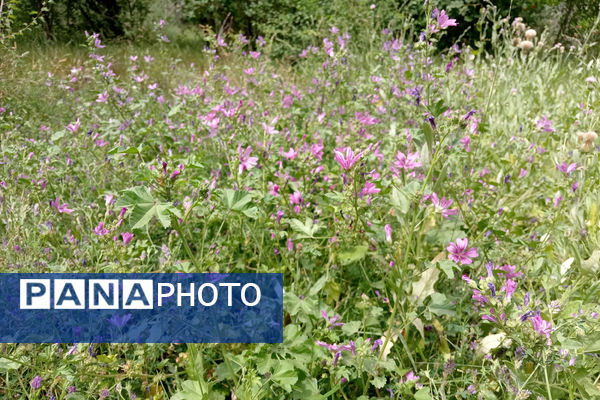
<point>404,263</point>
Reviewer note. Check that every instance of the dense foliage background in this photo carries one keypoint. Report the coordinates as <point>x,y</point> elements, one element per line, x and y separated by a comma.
<point>287,25</point>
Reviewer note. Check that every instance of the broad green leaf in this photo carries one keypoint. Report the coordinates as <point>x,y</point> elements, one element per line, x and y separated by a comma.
<point>317,286</point>
<point>7,365</point>
<point>447,266</point>
<point>423,394</point>
<point>191,390</point>
<point>58,135</point>
<point>306,229</point>
<point>379,381</point>
<point>440,305</point>
<point>236,199</point>
<point>145,208</point>
<point>284,375</point>
<point>400,200</point>
<point>352,255</point>
<point>350,328</point>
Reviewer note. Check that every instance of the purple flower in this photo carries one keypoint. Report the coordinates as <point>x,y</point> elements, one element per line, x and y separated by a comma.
<point>71,389</point>
<point>376,344</point>
<point>542,327</point>
<point>104,393</point>
<point>388,233</point>
<point>246,162</point>
<point>126,237</point>
<point>369,188</point>
<point>36,382</point>
<point>346,157</point>
<point>442,205</point>
<point>489,317</point>
<point>471,389</point>
<point>100,230</point>
<point>510,288</point>
<point>444,20</point>
<point>459,252</point>
<point>74,127</point>
<point>545,124</point>
<point>405,162</point>
<point>331,322</point>
<point>567,169</point>
<point>102,97</point>
<point>62,208</point>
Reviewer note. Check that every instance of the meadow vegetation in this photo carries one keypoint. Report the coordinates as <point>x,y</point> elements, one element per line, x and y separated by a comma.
<point>434,212</point>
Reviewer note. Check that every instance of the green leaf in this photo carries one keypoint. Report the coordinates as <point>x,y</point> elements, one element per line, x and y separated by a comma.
<point>440,305</point>
<point>145,208</point>
<point>174,110</point>
<point>352,255</point>
<point>379,381</point>
<point>350,328</point>
<point>306,229</point>
<point>235,199</point>
<point>251,212</point>
<point>129,150</point>
<point>191,390</point>
<point>423,394</point>
<point>317,286</point>
<point>429,135</point>
<point>447,266</point>
<point>7,365</point>
<point>284,375</point>
<point>400,200</point>
<point>58,135</point>
<point>438,108</point>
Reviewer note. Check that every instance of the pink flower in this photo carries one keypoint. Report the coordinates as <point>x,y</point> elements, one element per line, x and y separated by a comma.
<point>444,20</point>
<point>126,237</point>
<point>102,97</point>
<point>406,162</point>
<point>544,124</point>
<point>459,252</point>
<point>567,169</point>
<point>246,162</point>
<point>346,157</point>
<point>369,188</point>
<point>317,150</point>
<point>388,233</point>
<point>442,205</point>
<point>411,376</point>
<point>273,189</point>
<point>296,198</point>
<point>290,154</point>
<point>62,208</point>
<point>100,230</point>
<point>74,127</point>
<point>542,327</point>
<point>510,288</point>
